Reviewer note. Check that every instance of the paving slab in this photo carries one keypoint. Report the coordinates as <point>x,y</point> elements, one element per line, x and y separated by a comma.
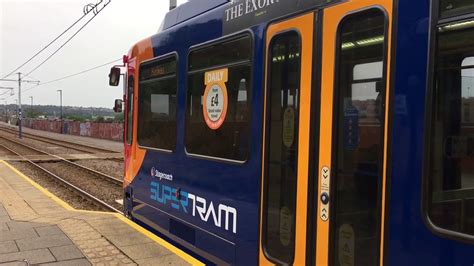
<point>68,252</point>
<point>43,242</point>
<point>38,227</point>
<point>8,247</point>
<point>79,262</point>
<point>145,251</point>
<point>32,256</point>
<point>166,260</point>
<point>48,230</point>
<point>3,212</point>
<point>3,227</point>
<point>18,234</point>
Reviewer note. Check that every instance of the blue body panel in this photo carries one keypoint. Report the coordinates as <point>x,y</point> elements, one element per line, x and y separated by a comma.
<point>233,184</point>
<point>410,240</point>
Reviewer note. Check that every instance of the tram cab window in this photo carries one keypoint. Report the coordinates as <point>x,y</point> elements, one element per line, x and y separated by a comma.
<point>451,168</point>
<point>219,99</point>
<point>157,104</point>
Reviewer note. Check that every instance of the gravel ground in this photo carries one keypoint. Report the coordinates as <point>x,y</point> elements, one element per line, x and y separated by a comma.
<point>96,186</point>
<point>5,152</point>
<point>54,187</point>
<point>18,148</point>
<point>101,143</point>
<point>110,167</point>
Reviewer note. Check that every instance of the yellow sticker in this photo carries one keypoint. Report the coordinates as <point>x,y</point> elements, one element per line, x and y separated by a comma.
<point>346,245</point>
<point>286,225</point>
<point>289,127</point>
<point>215,98</point>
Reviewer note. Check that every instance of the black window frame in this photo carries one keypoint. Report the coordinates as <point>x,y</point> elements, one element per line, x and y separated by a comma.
<point>208,44</point>
<point>266,156</point>
<point>176,75</point>
<point>435,21</point>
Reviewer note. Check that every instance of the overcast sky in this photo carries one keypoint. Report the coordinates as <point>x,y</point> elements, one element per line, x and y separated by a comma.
<point>26,26</point>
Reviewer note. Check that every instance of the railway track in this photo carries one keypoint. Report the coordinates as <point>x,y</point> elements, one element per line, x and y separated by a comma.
<point>71,163</point>
<point>98,183</point>
<point>61,143</point>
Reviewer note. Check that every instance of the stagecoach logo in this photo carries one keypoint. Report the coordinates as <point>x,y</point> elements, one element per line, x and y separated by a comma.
<point>160,175</point>
<point>242,14</point>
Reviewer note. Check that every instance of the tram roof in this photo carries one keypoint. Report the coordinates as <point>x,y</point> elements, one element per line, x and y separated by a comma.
<point>189,10</point>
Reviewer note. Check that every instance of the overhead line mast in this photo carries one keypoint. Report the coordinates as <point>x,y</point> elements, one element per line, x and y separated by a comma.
<point>20,113</point>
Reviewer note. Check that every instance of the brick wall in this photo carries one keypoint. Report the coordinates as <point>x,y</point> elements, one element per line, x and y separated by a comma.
<point>110,131</point>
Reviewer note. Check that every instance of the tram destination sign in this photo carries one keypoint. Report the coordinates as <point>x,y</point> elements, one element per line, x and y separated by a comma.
<point>241,14</point>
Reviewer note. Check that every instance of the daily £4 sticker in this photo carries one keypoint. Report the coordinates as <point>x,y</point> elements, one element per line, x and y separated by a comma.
<point>215,98</point>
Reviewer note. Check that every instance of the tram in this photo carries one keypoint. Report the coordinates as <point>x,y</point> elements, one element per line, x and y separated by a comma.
<point>308,132</point>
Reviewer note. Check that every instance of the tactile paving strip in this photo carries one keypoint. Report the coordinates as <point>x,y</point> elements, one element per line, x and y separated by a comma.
<point>95,246</point>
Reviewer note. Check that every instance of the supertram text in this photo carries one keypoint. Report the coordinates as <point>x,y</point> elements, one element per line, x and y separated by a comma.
<point>221,217</point>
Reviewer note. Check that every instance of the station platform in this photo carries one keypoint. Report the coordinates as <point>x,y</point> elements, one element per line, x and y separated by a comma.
<point>36,227</point>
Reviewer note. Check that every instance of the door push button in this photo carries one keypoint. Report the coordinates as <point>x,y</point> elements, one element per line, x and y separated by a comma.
<point>324,198</point>
<point>325,193</point>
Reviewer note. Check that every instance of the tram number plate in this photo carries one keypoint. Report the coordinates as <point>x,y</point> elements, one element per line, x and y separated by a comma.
<point>325,193</point>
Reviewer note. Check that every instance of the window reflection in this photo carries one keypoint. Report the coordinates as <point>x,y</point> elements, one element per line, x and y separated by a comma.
<point>157,105</point>
<point>452,143</point>
<point>282,142</point>
<point>231,139</point>
<point>450,8</point>
<point>359,139</point>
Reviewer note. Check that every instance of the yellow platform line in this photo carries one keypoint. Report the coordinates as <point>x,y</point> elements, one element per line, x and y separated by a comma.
<point>188,258</point>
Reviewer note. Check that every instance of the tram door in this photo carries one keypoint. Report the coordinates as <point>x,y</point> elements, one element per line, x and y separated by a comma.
<point>287,121</point>
<point>353,133</point>
<point>325,138</point>
<point>129,100</point>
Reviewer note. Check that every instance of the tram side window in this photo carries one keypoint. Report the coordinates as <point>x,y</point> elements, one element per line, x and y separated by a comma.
<point>219,99</point>
<point>449,8</point>
<point>282,144</point>
<point>131,81</point>
<point>451,170</point>
<point>157,104</point>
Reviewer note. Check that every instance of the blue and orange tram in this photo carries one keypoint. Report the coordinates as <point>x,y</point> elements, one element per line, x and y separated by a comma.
<point>309,132</point>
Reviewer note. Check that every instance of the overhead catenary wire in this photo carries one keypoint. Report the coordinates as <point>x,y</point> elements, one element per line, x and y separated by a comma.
<point>85,11</point>
<point>79,73</point>
<point>67,41</point>
<point>75,74</point>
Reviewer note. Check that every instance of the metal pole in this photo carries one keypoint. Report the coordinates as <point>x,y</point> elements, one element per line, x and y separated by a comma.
<point>61,108</point>
<point>31,108</point>
<point>19,106</point>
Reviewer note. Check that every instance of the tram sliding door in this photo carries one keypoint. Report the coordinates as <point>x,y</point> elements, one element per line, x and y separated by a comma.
<point>287,121</point>
<point>353,133</point>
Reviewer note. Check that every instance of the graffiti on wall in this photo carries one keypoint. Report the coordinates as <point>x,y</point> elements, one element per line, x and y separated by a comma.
<point>109,131</point>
